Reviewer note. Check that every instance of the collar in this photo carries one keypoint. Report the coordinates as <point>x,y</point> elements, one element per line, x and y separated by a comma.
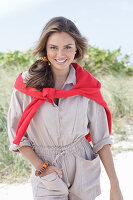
<point>71,77</point>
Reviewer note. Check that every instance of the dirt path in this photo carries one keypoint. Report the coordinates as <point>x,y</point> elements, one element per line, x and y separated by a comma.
<point>123,164</point>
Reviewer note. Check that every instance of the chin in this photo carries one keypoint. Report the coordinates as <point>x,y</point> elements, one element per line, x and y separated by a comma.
<point>60,66</point>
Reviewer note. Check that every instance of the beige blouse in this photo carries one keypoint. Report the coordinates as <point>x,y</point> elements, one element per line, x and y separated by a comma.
<point>60,125</point>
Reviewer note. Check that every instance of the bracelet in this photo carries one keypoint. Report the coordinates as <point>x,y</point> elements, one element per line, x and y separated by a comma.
<point>43,168</point>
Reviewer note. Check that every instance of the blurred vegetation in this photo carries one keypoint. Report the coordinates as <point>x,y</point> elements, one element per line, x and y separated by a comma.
<point>107,62</point>
<point>111,68</point>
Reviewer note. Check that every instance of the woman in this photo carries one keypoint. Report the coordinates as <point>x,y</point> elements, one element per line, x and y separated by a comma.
<point>54,105</point>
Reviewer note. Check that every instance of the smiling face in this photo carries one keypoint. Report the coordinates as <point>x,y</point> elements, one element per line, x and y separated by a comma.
<point>61,49</point>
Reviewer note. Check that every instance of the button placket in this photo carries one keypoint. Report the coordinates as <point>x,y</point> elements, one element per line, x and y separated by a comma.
<point>60,109</point>
<point>60,128</point>
<point>60,118</point>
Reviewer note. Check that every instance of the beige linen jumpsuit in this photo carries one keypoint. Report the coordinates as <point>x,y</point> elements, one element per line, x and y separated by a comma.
<point>57,134</point>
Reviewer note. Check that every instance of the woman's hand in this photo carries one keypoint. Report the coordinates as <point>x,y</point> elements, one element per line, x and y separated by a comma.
<point>51,169</point>
<point>115,193</point>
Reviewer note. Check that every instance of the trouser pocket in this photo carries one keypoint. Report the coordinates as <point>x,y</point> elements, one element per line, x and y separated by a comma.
<point>90,173</point>
<point>51,185</point>
<point>87,177</point>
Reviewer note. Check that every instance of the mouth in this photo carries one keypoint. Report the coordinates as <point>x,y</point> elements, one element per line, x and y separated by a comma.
<point>61,61</point>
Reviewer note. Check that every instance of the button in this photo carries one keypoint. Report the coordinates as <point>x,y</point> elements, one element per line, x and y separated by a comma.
<point>60,109</point>
<point>68,184</point>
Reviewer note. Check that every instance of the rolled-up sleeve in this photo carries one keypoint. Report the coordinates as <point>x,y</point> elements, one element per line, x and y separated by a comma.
<point>14,114</point>
<point>98,126</point>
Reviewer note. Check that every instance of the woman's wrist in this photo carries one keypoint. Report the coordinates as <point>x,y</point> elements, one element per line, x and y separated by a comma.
<point>114,182</point>
<point>39,165</point>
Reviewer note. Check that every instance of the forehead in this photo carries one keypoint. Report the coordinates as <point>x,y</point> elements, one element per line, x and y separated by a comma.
<point>60,37</point>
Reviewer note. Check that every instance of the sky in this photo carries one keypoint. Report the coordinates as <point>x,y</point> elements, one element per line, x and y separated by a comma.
<point>106,24</point>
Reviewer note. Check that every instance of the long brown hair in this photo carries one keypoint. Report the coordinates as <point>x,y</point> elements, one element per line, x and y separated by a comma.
<point>40,73</point>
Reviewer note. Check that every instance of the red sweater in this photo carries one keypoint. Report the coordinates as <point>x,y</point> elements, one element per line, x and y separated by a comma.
<point>86,85</point>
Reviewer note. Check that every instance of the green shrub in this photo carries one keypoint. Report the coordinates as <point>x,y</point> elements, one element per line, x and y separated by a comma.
<point>107,62</point>
<point>16,58</point>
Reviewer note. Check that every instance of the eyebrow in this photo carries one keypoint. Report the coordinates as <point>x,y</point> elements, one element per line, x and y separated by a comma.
<point>55,45</point>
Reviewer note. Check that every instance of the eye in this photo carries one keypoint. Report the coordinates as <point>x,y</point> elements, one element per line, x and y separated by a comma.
<point>68,47</point>
<point>52,47</point>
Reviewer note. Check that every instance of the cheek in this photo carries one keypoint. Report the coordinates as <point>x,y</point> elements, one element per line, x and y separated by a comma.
<point>51,54</point>
<point>71,55</point>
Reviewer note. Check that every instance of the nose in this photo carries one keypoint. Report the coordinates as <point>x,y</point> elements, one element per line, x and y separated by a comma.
<point>60,53</point>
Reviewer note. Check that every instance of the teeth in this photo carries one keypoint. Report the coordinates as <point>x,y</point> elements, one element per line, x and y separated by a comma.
<point>60,61</point>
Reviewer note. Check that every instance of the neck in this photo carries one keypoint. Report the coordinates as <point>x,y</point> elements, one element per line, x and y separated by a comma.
<point>60,75</point>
